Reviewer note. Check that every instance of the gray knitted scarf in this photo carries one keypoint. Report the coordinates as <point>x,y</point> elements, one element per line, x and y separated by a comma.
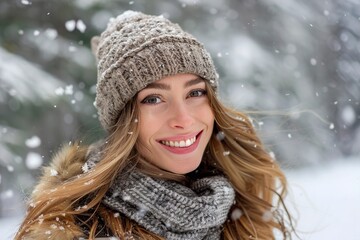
<point>173,210</point>
<point>168,208</point>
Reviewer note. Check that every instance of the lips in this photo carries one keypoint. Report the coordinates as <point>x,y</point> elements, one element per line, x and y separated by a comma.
<point>185,145</point>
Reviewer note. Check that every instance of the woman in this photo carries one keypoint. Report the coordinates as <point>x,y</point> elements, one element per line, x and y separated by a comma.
<point>177,164</point>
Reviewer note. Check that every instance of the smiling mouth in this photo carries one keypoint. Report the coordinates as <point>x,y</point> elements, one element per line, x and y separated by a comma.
<point>181,144</point>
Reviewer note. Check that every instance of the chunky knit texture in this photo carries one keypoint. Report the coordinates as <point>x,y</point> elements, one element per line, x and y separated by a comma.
<point>136,50</point>
<point>172,210</point>
<point>168,208</point>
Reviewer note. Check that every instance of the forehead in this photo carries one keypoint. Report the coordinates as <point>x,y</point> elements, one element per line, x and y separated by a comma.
<point>185,80</point>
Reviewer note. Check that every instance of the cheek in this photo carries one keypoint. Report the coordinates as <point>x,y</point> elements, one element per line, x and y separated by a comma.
<point>148,126</point>
<point>143,145</point>
<point>144,133</point>
<point>210,121</point>
<point>211,115</point>
<point>206,114</point>
<point>143,130</point>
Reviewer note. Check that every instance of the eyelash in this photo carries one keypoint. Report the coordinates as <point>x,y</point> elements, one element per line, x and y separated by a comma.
<point>152,96</point>
<point>202,92</point>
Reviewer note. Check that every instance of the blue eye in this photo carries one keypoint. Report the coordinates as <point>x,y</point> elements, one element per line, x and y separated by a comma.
<point>197,93</point>
<point>151,100</point>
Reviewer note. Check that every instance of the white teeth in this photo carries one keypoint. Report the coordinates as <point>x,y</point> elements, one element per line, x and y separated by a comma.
<point>182,143</point>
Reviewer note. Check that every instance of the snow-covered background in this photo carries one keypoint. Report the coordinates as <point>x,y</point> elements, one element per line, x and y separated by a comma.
<point>294,62</point>
<point>325,200</point>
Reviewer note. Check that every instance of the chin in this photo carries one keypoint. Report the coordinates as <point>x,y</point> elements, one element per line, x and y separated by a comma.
<point>184,171</point>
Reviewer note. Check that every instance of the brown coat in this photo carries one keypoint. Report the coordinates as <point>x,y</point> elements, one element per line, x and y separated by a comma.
<point>66,164</point>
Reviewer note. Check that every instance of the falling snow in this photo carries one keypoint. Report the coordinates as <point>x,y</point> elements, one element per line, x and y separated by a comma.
<point>53,172</point>
<point>85,168</point>
<point>25,2</point>
<point>70,25</point>
<point>10,168</point>
<point>126,198</point>
<point>286,76</point>
<point>236,214</point>
<point>33,142</point>
<point>59,91</point>
<point>220,136</point>
<point>226,153</point>
<point>51,33</point>
<point>313,61</point>
<point>348,115</point>
<point>33,160</point>
<point>80,25</point>
<point>7,194</point>
<point>68,90</point>
<point>72,48</point>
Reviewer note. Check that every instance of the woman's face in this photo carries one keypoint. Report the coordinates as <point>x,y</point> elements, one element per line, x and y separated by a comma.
<point>176,122</point>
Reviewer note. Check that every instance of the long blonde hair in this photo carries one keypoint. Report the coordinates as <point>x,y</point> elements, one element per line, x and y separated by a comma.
<point>234,150</point>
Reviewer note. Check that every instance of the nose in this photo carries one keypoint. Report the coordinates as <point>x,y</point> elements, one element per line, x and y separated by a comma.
<point>180,116</point>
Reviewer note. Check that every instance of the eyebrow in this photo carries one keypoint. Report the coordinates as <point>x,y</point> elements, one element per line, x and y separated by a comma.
<point>164,86</point>
<point>193,82</point>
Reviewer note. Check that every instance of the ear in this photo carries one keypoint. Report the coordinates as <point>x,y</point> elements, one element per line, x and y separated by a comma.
<point>94,45</point>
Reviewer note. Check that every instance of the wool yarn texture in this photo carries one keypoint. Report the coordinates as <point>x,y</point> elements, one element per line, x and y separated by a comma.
<point>168,208</point>
<point>137,49</point>
<point>172,210</point>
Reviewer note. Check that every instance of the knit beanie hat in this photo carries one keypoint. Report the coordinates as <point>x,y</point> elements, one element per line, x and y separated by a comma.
<point>136,50</point>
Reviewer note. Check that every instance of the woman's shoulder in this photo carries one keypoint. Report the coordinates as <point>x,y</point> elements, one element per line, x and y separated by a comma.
<point>68,162</point>
<point>65,164</point>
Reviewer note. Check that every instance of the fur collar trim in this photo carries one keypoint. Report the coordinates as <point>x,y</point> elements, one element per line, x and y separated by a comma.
<point>66,164</point>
